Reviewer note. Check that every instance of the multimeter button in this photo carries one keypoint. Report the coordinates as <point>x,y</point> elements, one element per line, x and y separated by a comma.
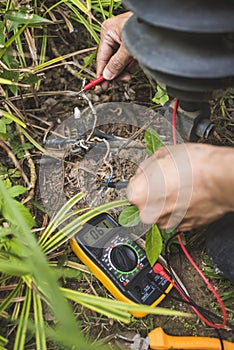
<point>138,289</point>
<point>123,258</point>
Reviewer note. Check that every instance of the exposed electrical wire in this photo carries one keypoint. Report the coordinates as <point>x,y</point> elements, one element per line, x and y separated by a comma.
<point>173,121</point>
<point>209,286</point>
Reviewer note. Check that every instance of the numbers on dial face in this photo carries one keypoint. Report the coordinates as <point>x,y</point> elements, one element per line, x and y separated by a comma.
<point>124,259</point>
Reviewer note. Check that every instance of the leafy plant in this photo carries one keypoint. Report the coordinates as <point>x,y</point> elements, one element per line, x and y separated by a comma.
<point>16,71</point>
<point>227,294</point>
<point>90,13</point>
<point>152,140</point>
<point>160,97</point>
<point>129,216</point>
<point>23,257</point>
<point>153,244</point>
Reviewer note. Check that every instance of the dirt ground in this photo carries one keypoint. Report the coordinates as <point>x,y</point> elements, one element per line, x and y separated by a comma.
<point>47,112</point>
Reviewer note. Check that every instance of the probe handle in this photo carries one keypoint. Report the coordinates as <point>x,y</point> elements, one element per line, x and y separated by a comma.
<point>159,340</point>
<point>94,83</point>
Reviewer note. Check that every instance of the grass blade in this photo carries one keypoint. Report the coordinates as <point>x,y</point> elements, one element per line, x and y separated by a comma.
<point>102,9</point>
<point>7,301</point>
<point>12,117</point>
<point>98,304</point>
<point>3,342</point>
<point>30,139</point>
<point>22,327</point>
<point>111,8</point>
<point>4,81</point>
<point>44,278</point>
<point>115,308</point>
<point>39,323</point>
<point>78,17</point>
<point>55,60</point>
<point>59,217</point>
<point>75,225</point>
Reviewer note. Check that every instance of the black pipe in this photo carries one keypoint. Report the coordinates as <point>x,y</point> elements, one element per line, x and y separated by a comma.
<point>186,46</point>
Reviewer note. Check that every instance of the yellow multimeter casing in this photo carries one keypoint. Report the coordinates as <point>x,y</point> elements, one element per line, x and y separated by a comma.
<point>119,263</point>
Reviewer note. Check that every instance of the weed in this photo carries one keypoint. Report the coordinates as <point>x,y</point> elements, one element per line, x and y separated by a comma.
<point>227,291</point>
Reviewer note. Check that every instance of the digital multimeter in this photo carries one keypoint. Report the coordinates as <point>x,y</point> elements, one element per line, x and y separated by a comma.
<point>109,252</point>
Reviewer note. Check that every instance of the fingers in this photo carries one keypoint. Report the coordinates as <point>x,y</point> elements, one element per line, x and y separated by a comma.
<point>109,43</point>
<point>144,188</point>
<point>161,187</point>
<point>116,63</point>
<point>113,57</point>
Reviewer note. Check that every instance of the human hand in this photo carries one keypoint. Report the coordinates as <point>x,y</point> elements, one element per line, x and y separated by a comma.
<point>112,56</point>
<point>187,185</point>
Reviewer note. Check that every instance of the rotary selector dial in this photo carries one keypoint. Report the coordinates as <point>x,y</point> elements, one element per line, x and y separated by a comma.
<point>124,258</point>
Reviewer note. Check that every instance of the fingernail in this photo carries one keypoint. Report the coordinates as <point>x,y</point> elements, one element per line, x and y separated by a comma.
<point>107,74</point>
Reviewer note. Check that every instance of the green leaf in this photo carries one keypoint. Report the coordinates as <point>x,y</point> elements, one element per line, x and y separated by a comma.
<point>21,17</point>
<point>12,117</point>
<point>65,272</point>
<point>4,232</point>
<point>10,76</point>
<point>7,183</point>
<point>129,216</point>
<point>153,244</point>
<point>31,79</point>
<point>14,266</point>
<point>2,37</point>
<point>89,58</point>
<point>2,127</point>
<point>22,210</point>
<point>10,61</point>
<point>153,141</point>
<point>16,191</point>
<point>161,97</point>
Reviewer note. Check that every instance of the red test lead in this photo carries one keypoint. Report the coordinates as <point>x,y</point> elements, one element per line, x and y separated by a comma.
<point>159,269</point>
<point>99,80</point>
<point>93,83</point>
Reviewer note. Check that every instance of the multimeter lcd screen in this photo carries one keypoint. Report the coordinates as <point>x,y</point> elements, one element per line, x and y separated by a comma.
<point>96,233</point>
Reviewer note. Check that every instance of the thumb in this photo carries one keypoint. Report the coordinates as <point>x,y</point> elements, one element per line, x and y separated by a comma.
<point>117,63</point>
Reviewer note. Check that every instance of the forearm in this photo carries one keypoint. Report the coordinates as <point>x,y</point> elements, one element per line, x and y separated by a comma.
<point>223,167</point>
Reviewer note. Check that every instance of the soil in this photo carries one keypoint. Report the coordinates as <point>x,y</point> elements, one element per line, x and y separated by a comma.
<point>47,114</point>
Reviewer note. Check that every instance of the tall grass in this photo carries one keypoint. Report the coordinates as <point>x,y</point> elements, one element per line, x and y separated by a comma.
<point>35,282</point>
